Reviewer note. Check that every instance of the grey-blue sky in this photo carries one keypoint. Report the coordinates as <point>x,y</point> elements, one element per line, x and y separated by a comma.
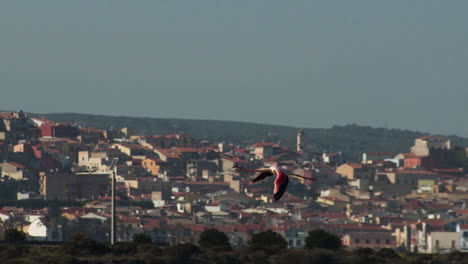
<point>307,63</point>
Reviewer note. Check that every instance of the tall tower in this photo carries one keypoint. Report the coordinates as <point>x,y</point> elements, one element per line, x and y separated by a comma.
<point>300,145</point>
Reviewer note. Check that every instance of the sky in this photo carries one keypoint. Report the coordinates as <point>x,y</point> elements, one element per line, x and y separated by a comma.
<point>314,64</point>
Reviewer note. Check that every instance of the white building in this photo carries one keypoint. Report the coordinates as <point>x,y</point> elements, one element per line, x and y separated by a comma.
<point>462,231</point>
<point>440,242</point>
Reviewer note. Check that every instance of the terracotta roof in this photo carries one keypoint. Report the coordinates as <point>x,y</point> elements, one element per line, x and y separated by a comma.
<point>174,136</point>
<point>355,165</point>
<point>263,144</point>
<point>16,164</point>
<point>405,171</point>
<point>424,137</point>
<point>379,153</point>
<point>358,226</point>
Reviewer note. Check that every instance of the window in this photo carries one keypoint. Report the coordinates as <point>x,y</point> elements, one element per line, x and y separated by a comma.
<point>437,243</point>
<point>387,241</point>
<point>55,235</point>
<point>356,241</point>
<point>377,241</point>
<point>298,242</point>
<point>367,241</point>
<point>453,243</point>
<point>465,234</point>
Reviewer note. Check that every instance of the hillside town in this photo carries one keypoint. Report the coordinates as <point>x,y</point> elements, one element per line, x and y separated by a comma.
<point>173,187</point>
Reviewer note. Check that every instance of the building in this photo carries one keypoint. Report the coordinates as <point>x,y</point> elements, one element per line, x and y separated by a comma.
<point>13,170</point>
<point>354,171</point>
<point>263,150</point>
<point>424,144</point>
<point>169,141</point>
<point>50,130</point>
<point>440,242</point>
<point>371,239</point>
<point>73,186</point>
<point>300,144</point>
<point>152,166</point>
<point>462,231</point>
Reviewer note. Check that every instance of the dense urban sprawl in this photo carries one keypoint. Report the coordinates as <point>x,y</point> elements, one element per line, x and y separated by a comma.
<point>174,187</point>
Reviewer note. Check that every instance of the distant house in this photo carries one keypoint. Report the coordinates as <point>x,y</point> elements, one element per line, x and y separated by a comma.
<point>152,166</point>
<point>201,169</point>
<point>169,141</point>
<point>332,158</point>
<point>37,230</point>
<point>462,231</point>
<point>424,144</point>
<point>93,161</point>
<point>4,216</point>
<point>13,170</point>
<point>73,186</point>
<point>52,130</point>
<point>440,242</point>
<point>372,157</point>
<point>263,150</point>
<point>91,135</point>
<point>133,150</point>
<point>356,171</point>
<point>371,239</point>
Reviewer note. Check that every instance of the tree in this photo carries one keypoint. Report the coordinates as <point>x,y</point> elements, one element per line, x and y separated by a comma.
<point>54,219</point>
<point>14,235</point>
<point>269,241</point>
<point>16,221</point>
<point>214,239</point>
<point>181,252</point>
<point>320,238</point>
<point>142,238</point>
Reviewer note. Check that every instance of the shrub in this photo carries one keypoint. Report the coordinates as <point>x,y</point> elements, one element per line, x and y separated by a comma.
<point>320,238</point>
<point>214,239</point>
<point>269,241</point>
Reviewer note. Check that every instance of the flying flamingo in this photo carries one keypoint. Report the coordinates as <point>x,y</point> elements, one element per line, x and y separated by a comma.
<point>281,181</point>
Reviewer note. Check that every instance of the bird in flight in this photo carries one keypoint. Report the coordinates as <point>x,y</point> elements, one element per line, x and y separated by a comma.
<point>281,181</point>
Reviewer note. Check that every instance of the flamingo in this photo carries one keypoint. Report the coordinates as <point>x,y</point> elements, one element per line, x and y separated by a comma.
<point>281,181</point>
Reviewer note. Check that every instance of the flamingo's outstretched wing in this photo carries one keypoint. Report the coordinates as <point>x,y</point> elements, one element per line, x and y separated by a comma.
<point>263,175</point>
<point>280,188</point>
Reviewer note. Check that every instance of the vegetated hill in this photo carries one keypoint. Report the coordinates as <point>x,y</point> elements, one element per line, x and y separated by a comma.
<point>352,140</point>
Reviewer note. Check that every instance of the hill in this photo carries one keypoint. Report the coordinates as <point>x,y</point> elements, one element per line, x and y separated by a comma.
<point>352,140</point>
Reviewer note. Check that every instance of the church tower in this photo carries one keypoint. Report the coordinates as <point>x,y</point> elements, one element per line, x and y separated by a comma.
<point>300,145</point>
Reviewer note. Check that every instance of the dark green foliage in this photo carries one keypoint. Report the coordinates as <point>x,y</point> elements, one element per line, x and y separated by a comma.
<point>142,238</point>
<point>182,252</point>
<point>315,256</point>
<point>453,257</point>
<point>150,249</point>
<point>84,246</point>
<point>268,241</point>
<point>124,249</point>
<point>14,235</point>
<point>214,239</point>
<point>88,251</point>
<point>320,238</point>
<point>91,228</point>
<point>388,253</point>
<point>12,251</point>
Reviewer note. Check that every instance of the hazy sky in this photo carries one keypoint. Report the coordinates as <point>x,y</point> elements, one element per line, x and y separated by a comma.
<point>400,64</point>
